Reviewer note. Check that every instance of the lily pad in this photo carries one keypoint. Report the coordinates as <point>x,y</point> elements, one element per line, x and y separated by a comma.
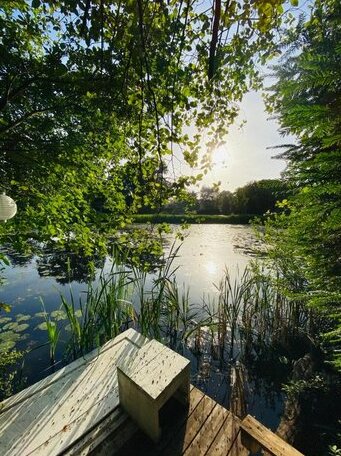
<point>22,327</point>
<point>9,335</point>
<point>5,320</point>
<point>22,317</point>
<point>10,326</point>
<point>5,307</point>
<point>42,326</point>
<point>6,346</point>
<point>15,326</point>
<point>59,315</point>
<point>41,314</point>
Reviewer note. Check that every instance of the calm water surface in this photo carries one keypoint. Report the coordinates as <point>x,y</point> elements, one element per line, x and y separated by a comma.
<point>206,251</point>
<point>204,254</point>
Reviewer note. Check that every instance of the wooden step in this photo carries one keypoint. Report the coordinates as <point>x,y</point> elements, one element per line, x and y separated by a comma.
<point>256,436</point>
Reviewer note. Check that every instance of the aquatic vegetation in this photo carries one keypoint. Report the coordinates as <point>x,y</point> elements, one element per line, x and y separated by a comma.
<point>11,334</point>
<point>251,326</point>
<point>59,315</point>
<point>22,317</point>
<point>8,367</point>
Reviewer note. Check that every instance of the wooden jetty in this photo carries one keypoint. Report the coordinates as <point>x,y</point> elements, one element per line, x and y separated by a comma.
<point>123,399</point>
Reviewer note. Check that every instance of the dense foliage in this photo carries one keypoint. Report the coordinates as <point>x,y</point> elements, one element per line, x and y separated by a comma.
<point>95,97</point>
<point>307,100</point>
<point>255,198</point>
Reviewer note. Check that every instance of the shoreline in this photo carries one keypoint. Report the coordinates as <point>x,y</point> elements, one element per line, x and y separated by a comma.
<point>232,219</point>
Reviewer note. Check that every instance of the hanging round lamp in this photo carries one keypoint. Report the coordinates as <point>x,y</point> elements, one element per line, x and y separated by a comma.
<point>8,207</point>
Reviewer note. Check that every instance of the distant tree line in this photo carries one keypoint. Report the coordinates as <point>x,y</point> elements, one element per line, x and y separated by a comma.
<point>256,198</point>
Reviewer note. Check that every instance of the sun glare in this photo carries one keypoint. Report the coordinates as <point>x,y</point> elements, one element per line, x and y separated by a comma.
<point>220,156</point>
<point>211,267</point>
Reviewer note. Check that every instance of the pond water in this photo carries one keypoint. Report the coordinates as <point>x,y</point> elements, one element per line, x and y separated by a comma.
<point>207,251</point>
<point>204,253</point>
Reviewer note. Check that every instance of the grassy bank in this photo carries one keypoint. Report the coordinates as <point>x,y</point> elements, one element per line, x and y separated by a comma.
<point>233,219</point>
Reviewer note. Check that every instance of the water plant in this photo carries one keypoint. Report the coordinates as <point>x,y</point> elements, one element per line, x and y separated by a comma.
<point>250,315</point>
<point>101,313</point>
<point>53,332</point>
<point>8,370</point>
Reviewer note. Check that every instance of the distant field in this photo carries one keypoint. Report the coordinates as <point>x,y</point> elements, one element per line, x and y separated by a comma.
<point>233,219</point>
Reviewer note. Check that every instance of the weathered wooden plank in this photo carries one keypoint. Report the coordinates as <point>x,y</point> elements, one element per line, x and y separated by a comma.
<point>175,427</point>
<point>270,442</point>
<point>208,432</point>
<point>227,441</point>
<point>116,441</point>
<point>51,416</point>
<point>133,336</point>
<point>93,438</point>
<point>173,417</point>
<point>133,365</point>
<point>191,427</point>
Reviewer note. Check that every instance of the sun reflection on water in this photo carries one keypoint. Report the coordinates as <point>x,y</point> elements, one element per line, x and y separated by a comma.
<point>211,267</point>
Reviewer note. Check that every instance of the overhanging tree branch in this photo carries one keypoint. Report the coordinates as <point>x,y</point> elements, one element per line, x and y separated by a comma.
<point>214,40</point>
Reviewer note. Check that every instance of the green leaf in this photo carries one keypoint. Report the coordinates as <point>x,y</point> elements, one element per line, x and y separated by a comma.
<point>5,307</point>
<point>42,326</point>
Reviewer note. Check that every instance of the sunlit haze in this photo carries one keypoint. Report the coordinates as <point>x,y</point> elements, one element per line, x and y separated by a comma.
<point>247,155</point>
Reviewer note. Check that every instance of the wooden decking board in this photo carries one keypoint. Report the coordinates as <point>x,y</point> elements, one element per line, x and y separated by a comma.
<point>86,444</point>
<point>50,416</point>
<point>191,428</point>
<point>196,396</point>
<point>167,439</point>
<point>227,440</point>
<point>205,428</point>
<point>205,437</point>
<point>269,441</point>
<point>222,440</point>
<point>113,444</point>
<point>171,429</point>
<point>134,338</point>
<point>76,412</point>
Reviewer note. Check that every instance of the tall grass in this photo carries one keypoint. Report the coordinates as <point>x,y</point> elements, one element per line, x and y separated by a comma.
<point>53,333</point>
<point>101,314</point>
<point>230,302</point>
<point>124,297</point>
<point>251,312</point>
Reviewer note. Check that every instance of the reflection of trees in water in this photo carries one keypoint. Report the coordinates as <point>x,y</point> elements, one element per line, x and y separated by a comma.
<point>244,383</point>
<point>64,266</point>
<point>17,258</point>
<point>67,266</point>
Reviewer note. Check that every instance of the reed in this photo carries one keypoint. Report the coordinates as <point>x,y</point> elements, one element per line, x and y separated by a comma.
<point>271,314</point>
<point>53,333</point>
<point>251,313</point>
<point>230,301</point>
<point>129,296</point>
<point>104,312</point>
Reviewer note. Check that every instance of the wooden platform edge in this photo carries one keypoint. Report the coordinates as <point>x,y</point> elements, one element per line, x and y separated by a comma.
<point>130,334</point>
<point>256,436</point>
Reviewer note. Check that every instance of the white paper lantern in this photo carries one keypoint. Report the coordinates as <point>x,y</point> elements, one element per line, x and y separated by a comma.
<point>8,208</point>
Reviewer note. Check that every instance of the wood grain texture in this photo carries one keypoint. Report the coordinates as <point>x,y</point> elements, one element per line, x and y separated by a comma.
<point>269,441</point>
<point>50,416</point>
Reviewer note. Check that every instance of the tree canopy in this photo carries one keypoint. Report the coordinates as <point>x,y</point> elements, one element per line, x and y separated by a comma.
<point>306,100</point>
<point>254,198</point>
<point>95,96</point>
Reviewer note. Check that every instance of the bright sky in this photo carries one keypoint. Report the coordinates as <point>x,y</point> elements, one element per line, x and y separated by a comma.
<point>246,156</point>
